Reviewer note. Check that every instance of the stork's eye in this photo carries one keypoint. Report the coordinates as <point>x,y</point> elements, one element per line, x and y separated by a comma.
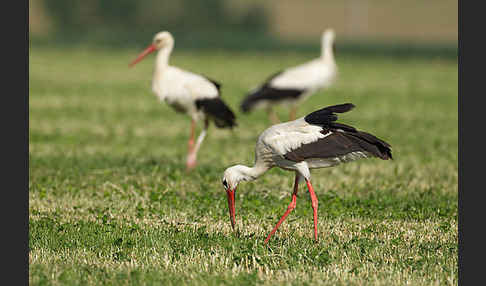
<point>158,41</point>
<point>225,184</point>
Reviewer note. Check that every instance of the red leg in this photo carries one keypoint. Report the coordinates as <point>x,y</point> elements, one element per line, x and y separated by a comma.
<point>291,207</point>
<point>191,139</point>
<point>314,205</point>
<point>192,156</point>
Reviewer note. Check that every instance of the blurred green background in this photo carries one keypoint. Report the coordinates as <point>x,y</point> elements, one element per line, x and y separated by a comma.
<point>371,27</point>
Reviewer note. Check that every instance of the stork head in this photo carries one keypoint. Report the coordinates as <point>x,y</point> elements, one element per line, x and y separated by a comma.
<point>328,36</point>
<point>162,41</point>
<point>231,178</point>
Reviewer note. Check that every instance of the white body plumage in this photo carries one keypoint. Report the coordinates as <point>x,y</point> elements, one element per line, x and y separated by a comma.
<point>186,92</point>
<point>293,85</point>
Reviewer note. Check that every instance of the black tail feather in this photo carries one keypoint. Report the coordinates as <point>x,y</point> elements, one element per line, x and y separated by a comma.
<point>326,115</point>
<point>268,94</point>
<point>340,108</point>
<point>250,100</point>
<point>217,111</point>
<point>253,97</point>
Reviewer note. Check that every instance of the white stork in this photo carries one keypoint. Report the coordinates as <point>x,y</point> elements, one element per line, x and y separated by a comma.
<point>187,92</point>
<point>293,85</point>
<point>313,141</point>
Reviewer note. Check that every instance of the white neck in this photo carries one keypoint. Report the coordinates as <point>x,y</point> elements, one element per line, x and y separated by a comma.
<point>327,55</point>
<point>162,59</point>
<point>246,173</point>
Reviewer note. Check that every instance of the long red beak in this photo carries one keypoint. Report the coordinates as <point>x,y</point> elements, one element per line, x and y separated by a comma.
<point>147,51</point>
<point>231,206</point>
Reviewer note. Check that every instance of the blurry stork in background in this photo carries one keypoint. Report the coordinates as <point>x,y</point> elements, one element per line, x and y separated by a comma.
<point>310,142</point>
<point>293,85</point>
<point>187,92</point>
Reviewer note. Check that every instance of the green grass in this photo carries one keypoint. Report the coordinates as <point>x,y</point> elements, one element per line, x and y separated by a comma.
<point>110,203</point>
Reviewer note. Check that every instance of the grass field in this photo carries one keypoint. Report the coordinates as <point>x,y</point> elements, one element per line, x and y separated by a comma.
<point>110,203</point>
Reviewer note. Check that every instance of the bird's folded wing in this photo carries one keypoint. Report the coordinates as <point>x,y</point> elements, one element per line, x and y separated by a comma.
<point>346,146</point>
<point>193,84</point>
<point>303,77</point>
<point>290,137</point>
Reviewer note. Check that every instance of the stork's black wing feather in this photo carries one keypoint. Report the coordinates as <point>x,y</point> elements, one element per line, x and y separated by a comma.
<point>344,139</point>
<point>218,111</point>
<point>342,126</point>
<point>341,143</point>
<point>268,93</point>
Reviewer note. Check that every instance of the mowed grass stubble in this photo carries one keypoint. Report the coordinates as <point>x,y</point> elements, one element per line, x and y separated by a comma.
<point>110,202</point>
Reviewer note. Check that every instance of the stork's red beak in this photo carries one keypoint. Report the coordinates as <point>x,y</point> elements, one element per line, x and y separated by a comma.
<point>231,206</point>
<point>147,51</point>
